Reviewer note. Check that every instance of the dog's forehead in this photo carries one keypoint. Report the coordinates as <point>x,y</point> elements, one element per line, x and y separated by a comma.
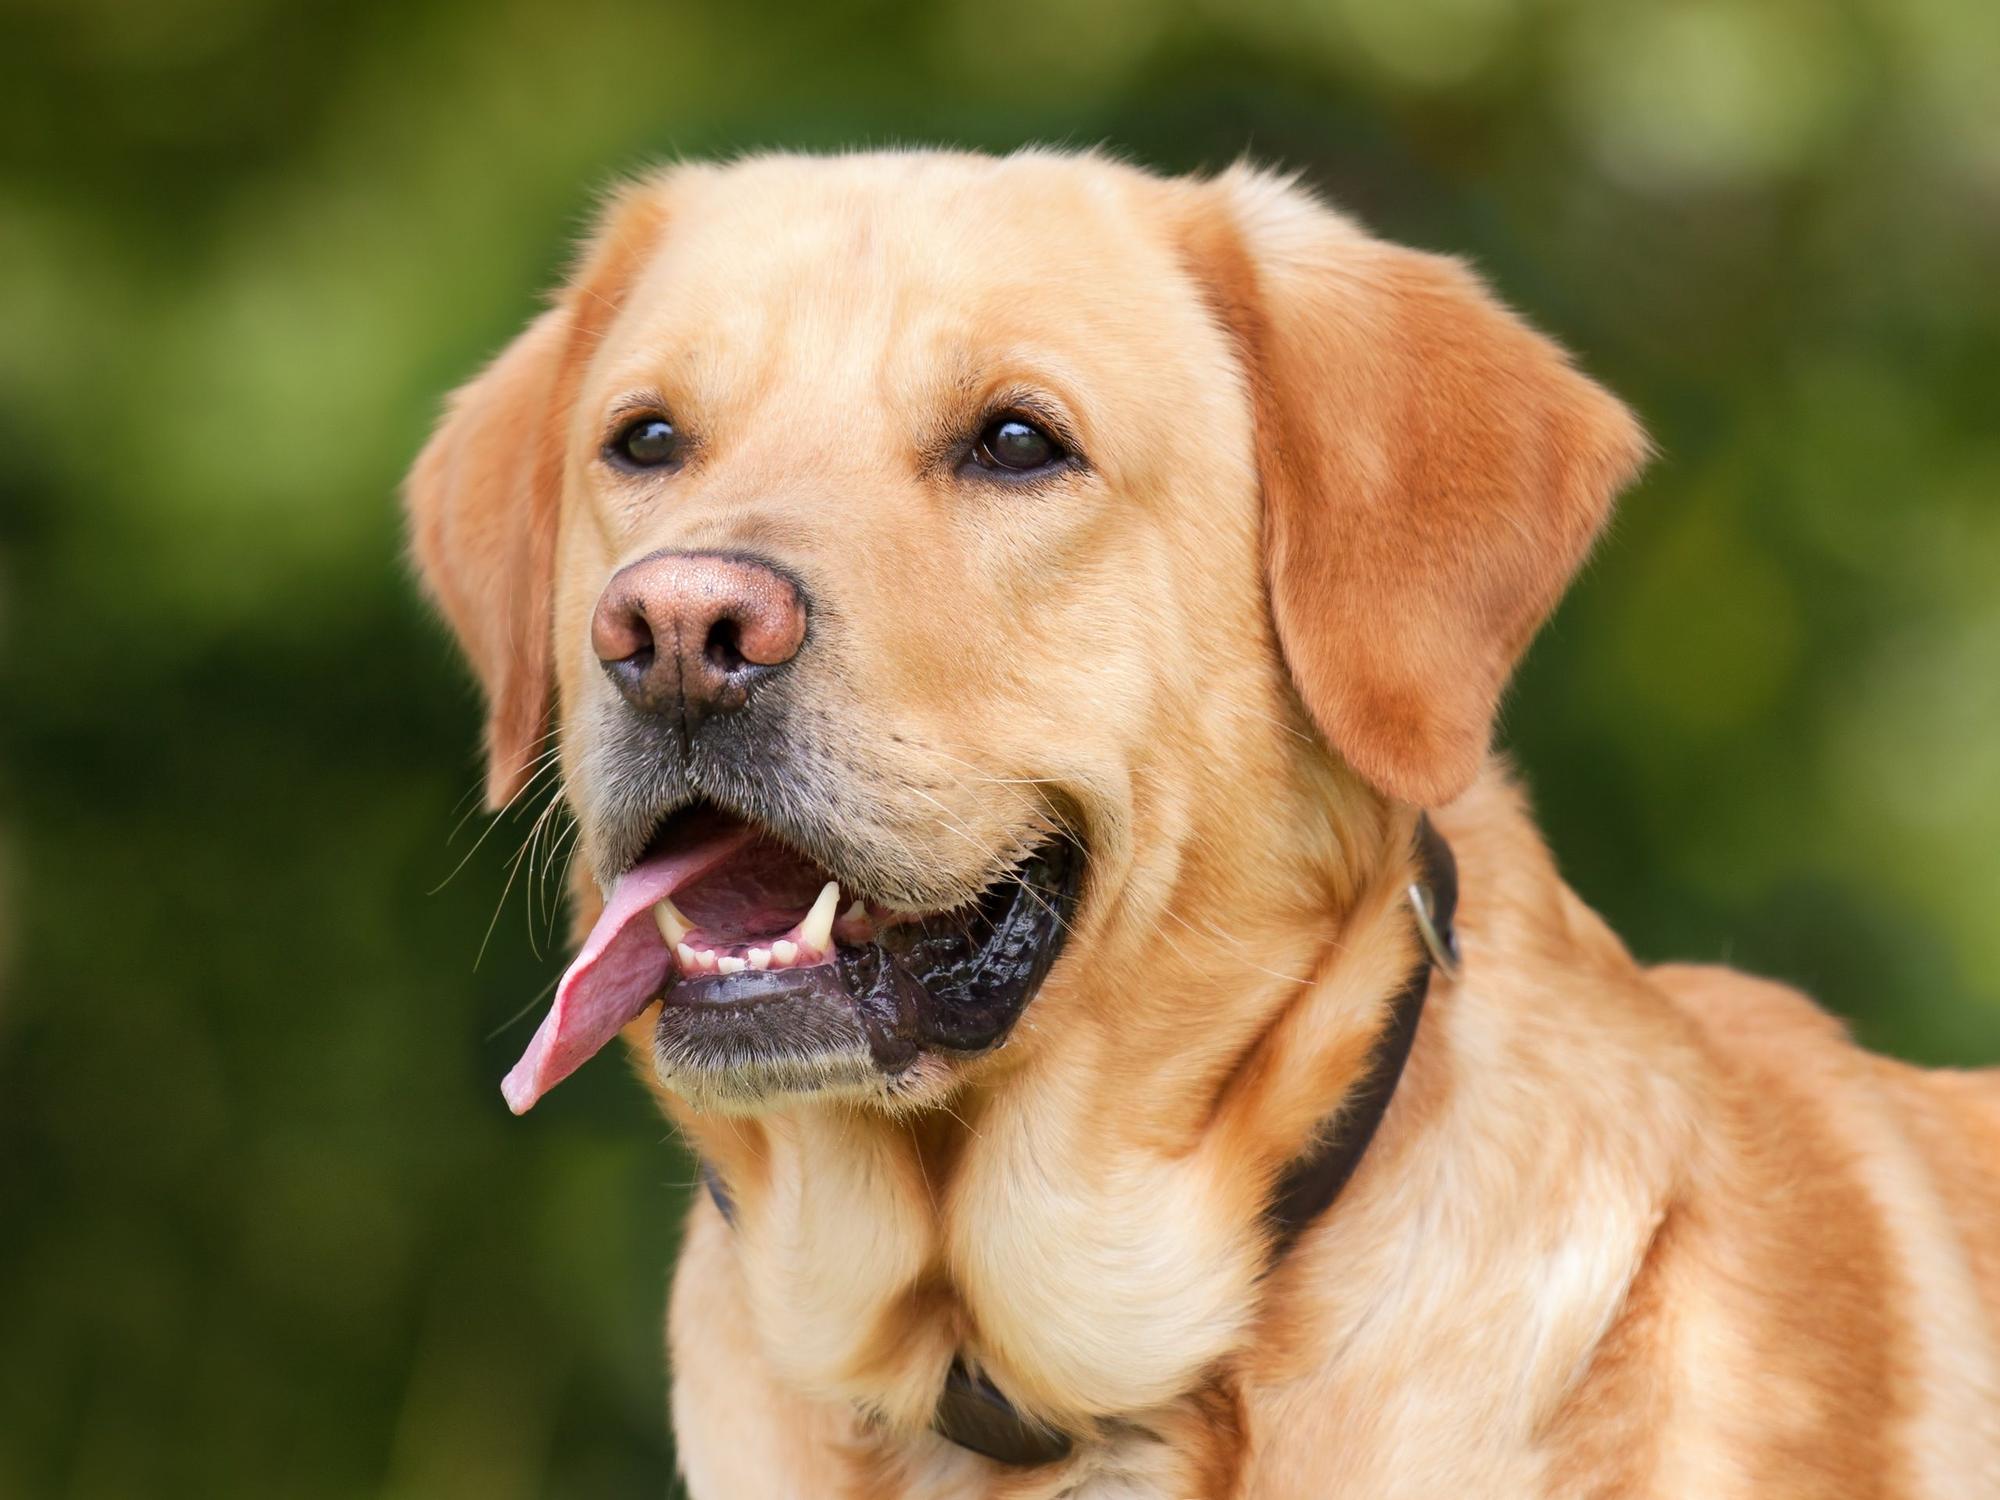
<point>808,266</point>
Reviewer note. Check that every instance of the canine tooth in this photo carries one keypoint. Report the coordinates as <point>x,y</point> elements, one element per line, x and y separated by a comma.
<point>855,913</point>
<point>784,951</point>
<point>760,958</point>
<point>667,916</point>
<point>689,961</point>
<point>816,931</point>
<point>729,965</point>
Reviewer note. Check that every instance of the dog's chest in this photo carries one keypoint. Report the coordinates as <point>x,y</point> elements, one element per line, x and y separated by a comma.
<point>1110,1296</point>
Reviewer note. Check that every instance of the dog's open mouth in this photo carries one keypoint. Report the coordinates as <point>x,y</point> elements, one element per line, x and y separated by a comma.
<point>767,969</point>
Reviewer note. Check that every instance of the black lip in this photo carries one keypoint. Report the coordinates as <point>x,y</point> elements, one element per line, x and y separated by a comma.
<point>953,983</point>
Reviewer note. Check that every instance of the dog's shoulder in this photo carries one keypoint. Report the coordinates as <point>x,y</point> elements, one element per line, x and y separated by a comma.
<point>1860,1198</point>
<point>1745,1014</point>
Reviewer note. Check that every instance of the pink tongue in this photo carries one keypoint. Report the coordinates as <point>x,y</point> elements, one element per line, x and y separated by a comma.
<point>620,968</point>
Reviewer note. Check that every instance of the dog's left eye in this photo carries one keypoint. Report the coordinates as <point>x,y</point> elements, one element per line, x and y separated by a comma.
<point>1016,444</point>
<point>648,443</point>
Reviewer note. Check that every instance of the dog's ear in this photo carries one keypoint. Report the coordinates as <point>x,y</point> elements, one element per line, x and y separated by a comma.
<point>482,503</point>
<point>484,494</point>
<point>1433,472</point>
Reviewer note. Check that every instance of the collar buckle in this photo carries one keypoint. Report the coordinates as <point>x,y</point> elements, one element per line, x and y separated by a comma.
<point>1441,946</point>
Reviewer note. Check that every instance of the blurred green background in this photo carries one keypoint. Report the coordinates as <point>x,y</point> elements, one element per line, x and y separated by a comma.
<point>265,1228</point>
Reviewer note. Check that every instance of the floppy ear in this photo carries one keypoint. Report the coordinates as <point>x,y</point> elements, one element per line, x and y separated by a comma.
<point>482,502</point>
<point>1433,472</point>
<point>484,494</point>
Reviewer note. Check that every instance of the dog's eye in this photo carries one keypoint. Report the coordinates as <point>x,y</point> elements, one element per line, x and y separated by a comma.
<point>1016,444</point>
<point>646,444</point>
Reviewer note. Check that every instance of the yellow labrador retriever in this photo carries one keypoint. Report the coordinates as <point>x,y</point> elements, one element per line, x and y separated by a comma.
<point>1024,638</point>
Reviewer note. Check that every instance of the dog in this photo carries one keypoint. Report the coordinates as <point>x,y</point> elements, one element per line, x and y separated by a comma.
<point>1024,636</point>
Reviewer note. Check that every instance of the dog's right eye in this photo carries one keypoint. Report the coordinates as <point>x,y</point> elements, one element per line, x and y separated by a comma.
<point>648,443</point>
<point>1016,445</point>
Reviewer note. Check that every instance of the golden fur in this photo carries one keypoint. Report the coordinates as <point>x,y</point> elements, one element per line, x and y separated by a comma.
<point>1624,1232</point>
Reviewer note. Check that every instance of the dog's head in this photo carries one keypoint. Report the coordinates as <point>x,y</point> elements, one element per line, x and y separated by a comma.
<point>959,579</point>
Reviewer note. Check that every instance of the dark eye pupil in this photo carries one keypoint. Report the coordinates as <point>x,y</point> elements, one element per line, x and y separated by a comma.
<point>650,441</point>
<point>1014,444</point>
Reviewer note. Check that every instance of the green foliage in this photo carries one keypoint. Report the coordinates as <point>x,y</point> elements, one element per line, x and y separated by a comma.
<point>264,1226</point>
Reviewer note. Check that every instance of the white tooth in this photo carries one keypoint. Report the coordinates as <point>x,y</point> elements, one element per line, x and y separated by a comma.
<point>667,917</point>
<point>706,958</point>
<point>760,958</point>
<point>856,912</point>
<point>689,963</point>
<point>729,965</point>
<point>784,952</point>
<point>816,931</point>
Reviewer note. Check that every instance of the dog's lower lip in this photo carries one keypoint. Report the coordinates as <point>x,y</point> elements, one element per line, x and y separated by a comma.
<point>743,987</point>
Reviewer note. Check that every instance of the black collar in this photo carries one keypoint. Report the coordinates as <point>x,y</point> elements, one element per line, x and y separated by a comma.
<point>974,1414</point>
<point>1314,1180</point>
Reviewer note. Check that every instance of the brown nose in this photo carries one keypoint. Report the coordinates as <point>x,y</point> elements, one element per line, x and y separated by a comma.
<point>690,633</point>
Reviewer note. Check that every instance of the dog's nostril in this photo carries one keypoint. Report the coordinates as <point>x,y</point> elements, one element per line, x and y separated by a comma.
<point>638,640</point>
<point>724,646</point>
<point>620,632</point>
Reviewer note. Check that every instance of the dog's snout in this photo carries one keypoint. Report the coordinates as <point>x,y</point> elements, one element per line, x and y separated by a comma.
<point>692,632</point>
